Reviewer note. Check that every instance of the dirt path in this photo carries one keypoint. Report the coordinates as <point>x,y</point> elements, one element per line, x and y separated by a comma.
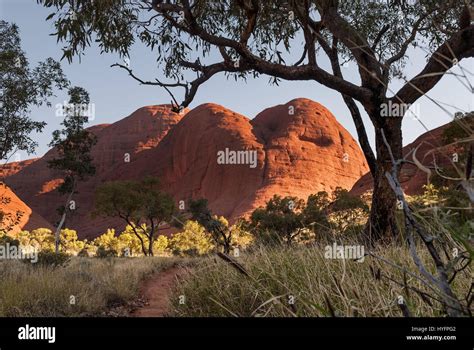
<point>157,291</point>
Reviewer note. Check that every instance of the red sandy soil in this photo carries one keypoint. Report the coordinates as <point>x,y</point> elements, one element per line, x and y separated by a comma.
<point>157,292</point>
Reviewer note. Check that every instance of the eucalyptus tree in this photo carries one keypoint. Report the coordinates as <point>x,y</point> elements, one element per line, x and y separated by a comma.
<point>142,205</point>
<point>73,145</point>
<point>22,87</point>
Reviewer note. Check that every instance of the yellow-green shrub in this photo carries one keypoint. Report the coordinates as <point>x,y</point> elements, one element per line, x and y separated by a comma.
<point>128,244</point>
<point>193,240</point>
<point>42,239</point>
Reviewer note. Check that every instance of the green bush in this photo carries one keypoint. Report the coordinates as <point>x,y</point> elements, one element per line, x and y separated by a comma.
<point>280,220</point>
<point>292,220</point>
<point>7,240</point>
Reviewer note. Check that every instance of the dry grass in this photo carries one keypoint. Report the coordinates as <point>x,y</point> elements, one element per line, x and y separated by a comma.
<point>96,284</point>
<point>318,286</point>
<point>277,277</point>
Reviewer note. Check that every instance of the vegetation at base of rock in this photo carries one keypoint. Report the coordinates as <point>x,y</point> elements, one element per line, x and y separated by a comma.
<point>287,220</point>
<point>292,220</point>
<point>140,204</point>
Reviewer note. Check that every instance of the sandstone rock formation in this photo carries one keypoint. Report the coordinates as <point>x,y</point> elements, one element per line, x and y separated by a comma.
<point>299,149</point>
<point>12,168</point>
<point>36,183</point>
<point>13,206</point>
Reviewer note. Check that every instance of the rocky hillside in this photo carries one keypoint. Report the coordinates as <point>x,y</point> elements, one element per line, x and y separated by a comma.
<point>428,148</point>
<point>209,152</point>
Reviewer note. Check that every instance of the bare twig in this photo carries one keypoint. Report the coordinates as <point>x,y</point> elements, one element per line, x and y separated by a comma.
<point>451,302</point>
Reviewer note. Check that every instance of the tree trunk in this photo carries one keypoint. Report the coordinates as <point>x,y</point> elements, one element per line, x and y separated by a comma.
<point>150,245</point>
<point>226,247</point>
<point>142,243</point>
<point>57,235</point>
<point>382,223</point>
<point>133,226</point>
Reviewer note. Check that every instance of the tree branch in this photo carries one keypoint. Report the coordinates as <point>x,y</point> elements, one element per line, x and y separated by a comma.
<point>459,46</point>
<point>251,61</point>
<point>332,54</point>
<point>359,47</point>
<point>190,88</point>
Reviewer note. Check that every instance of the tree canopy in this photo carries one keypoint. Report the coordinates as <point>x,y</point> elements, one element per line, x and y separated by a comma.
<point>140,204</point>
<point>22,87</point>
<point>253,37</point>
<point>74,142</point>
<point>73,145</point>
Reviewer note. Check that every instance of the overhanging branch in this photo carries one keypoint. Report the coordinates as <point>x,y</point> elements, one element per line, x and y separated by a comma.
<point>459,46</point>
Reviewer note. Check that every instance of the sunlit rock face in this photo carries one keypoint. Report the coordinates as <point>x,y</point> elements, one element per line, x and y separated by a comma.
<point>210,152</point>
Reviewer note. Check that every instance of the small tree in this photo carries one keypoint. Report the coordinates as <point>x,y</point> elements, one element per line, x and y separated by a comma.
<point>281,217</point>
<point>129,243</point>
<point>73,145</point>
<point>240,236</point>
<point>219,231</point>
<point>347,211</point>
<point>315,212</point>
<point>140,204</point>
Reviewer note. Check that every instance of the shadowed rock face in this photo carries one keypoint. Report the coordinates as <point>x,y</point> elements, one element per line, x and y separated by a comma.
<point>12,168</point>
<point>412,178</point>
<point>299,149</point>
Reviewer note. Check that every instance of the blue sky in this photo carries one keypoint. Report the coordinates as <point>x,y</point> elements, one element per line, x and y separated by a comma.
<point>116,95</point>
